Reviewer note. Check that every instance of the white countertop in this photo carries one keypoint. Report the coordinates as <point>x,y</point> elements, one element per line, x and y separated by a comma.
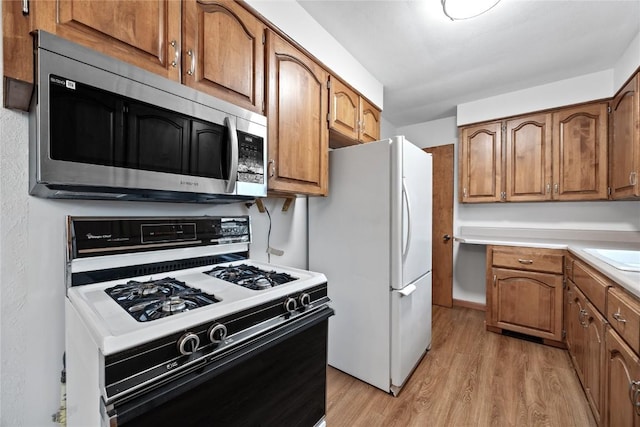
<point>573,240</point>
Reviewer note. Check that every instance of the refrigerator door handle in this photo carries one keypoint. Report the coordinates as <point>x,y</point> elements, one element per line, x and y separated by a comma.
<point>407,290</point>
<point>405,195</point>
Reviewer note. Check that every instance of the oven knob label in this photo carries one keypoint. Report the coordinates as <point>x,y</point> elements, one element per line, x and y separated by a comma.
<point>172,365</point>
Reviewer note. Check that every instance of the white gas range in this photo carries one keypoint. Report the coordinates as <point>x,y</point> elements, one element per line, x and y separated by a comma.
<point>162,312</point>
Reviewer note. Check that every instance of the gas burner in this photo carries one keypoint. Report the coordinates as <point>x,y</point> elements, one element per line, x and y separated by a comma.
<point>156,299</point>
<point>250,277</point>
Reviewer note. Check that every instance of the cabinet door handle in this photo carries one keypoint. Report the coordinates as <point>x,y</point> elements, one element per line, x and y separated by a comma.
<point>176,56</point>
<point>619,317</point>
<point>494,280</point>
<point>634,394</point>
<point>525,261</point>
<point>548,188</point>
<point>556,188</point>
<point>192,69</point>
<point>272,168</point>
<point>464,192</point>
<point>632,178</point>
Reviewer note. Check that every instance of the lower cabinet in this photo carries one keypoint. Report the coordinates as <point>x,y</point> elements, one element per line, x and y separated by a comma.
<point>524,291</point>
<point>622,388</point>
<point>585,336</point>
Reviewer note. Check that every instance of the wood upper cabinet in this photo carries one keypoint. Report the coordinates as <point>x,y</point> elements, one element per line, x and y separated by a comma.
<point>624,144</point>
<point>622,387</point>
<point>528,158</point>
<point>524,291</point>
<point>481,163</point>
<point>297,113</point>
<point>352,119</point>
<point>223,52</point>
<point>559,155</point>
<point>142,32</point>
<point>580,152</point>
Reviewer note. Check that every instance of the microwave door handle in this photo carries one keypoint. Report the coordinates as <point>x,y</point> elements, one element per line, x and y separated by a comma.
<point>233,143</point>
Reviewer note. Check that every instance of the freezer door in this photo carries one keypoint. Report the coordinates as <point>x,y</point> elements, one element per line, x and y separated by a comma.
<point>416,213</point>
<point>410,328</point>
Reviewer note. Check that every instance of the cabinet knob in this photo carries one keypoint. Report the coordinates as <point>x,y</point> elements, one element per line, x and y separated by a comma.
<point>525,261</point>
<point>446,237</point>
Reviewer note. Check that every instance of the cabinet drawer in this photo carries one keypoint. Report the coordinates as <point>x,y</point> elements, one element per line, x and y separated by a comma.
<point>592,284</point>
<point>529,259</point>
<point>623,313</point>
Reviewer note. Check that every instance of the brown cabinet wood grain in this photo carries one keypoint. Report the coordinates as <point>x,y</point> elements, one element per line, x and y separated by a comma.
<point>297,112</point>
<point>141,32</point>
<point>528,158</point>
<point>560,154</point>
<point>580,153</point>
<point>585,337</point>
<point>624,144</point>
<point>352,119</point>
<point>622,386</point>
<point>223,53</point>
<point>481,163</point>
<point>522,300</point>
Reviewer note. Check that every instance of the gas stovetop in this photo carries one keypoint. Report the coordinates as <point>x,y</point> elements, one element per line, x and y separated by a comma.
<point>155,299</point>
<point>251,277</point>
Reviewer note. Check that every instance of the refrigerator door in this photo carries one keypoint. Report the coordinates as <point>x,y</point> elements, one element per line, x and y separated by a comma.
<point>416,213</point>
<point>410,328</point>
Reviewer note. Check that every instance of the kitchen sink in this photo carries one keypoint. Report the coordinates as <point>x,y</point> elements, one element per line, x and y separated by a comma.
<point>621,259</point>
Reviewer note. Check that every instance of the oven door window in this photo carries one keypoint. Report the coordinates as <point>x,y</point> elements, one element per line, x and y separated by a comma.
<point>277,381</point>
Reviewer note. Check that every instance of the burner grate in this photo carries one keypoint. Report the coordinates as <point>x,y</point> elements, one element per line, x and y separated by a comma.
<point>250,277</point>
<point>155,299</point>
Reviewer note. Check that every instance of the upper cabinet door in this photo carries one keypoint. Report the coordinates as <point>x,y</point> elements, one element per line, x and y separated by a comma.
<point>297,121</point>
<point>580,153</point>
<point>142,32</point>
<point>481,163</point>
<point>624,152</point>
<point>528,158</point>
<point>370,122</point>
<point>344,110</point>
<point>223,52</point>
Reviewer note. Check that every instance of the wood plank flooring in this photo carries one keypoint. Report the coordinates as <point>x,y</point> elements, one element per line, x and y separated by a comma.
<point>470,377</point>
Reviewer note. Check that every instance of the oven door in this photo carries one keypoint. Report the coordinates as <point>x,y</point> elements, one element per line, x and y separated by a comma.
<point>277,379</point>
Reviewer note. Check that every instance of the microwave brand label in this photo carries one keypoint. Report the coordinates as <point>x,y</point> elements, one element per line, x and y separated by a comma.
<point>190,183</point>
<point>69,84</point>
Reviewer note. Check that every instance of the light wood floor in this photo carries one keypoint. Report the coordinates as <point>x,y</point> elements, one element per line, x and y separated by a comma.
<point>470,377</point>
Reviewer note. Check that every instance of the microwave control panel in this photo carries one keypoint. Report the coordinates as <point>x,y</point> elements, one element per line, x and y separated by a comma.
<point>251,158</point>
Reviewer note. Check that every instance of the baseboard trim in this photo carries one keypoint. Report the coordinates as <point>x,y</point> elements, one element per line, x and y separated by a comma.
<point>469,304</point>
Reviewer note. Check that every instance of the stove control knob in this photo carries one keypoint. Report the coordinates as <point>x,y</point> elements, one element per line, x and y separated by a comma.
<point>290,305</point>
<point>188,343</point>
<point>304,299</point>
<point>217,333</point>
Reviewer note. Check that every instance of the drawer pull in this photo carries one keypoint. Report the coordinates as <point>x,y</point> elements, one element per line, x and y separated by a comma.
<point>525,261</point>
<point>634,395</point>
<point>619,317</point>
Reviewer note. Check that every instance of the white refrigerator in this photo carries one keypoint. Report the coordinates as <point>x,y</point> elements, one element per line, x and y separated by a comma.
<point>371,237</point>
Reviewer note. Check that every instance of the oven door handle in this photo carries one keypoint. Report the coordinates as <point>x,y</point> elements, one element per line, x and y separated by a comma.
<point>129,408</point>
<point>233,145</point>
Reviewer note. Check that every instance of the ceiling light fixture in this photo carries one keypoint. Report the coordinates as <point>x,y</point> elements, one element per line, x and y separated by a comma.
<point>465,9</point>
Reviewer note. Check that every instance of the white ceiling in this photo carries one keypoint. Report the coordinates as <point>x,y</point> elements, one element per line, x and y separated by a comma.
<point>429,64</point>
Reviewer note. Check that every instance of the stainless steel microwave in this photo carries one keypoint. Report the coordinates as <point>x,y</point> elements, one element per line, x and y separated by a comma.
<point>104,129</point>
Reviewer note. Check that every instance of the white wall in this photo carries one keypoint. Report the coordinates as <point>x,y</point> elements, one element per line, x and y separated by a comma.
<point>627,64</point>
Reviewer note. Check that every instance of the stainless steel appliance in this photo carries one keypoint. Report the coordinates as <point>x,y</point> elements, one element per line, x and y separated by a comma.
<point>104,129</point>
<point>168,322</point>
<point>378,262</point>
